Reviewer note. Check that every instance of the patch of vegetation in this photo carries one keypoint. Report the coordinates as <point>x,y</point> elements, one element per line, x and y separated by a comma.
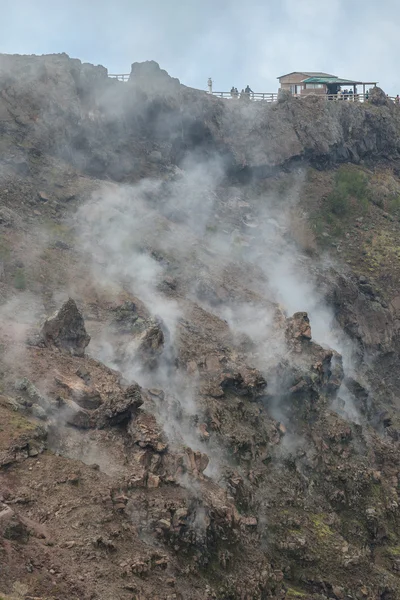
<point>349,198</point>
<point>352,527</point>
<point>382,248</point>
<point>5,249</point>
<point>321,529</point>
<point>21,423</point>
<point>294,593</point>
<point>13,422</point>
<point>394,204</point>
<point>350,192</point>
<point>19,279</point>
<point>376,491</point>
<point>59,231</point>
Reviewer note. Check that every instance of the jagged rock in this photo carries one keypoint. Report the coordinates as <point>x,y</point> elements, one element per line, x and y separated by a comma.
<point>298,330</point>
<point>73,414</point>
<point>248,382</point>
<point>145,431</point>
<point>312,367</point>
<point>127,318</point>
<point>188,462</point>
<point>34,401</point>
<point>151,79</point>
<point>153,481</point>
<point>66,330</point>
<point>180,517</point>
<point>151,345</point>
<point>119,409</point>
<point>84,395</point>
<point>378,97</point>
<point>16,531</point>
<point>368,323</point>
<point>43,197</point>
<point>226,376</point>
<point>196,462</point>
<point>38,412</point>
<point>6,514</point>
<point>83,374</point>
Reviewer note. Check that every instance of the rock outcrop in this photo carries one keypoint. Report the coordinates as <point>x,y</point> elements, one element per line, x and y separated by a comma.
<point>252,137</point>
<point>66,330</point>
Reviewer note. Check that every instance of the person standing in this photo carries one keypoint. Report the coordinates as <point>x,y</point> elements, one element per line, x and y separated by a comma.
<point>210,85</point>
<point>248,90</point>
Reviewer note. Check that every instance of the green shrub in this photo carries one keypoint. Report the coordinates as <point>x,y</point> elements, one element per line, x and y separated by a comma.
<point>394,204</point>
<point>352,181</point>
<point>338,202</point>
<point>19,279</point>
<point>350,191</point>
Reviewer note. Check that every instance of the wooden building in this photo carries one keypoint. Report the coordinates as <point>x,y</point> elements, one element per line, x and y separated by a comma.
<point>294,81</point>
<point>308,82</point>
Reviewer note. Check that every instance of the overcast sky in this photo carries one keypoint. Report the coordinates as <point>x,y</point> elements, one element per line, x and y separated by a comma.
<point>236,42</point>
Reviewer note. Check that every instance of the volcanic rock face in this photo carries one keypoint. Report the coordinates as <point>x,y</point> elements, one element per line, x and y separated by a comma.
<point>224,449</point>
<point>66,330</point>
<point>255,135</point>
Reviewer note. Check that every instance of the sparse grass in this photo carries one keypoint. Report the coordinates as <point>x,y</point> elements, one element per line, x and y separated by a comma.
<point>294,593</point>
<point>393,550</point>
<point>376,491</point>
<point>394,204</point>
<point>19,592</point>
<point>349,198</point>
<point>21,423</point>
<point>302,232</point>
<point>59,231</point>
<point>5,249</point>
<point>321,529</point>
<point>382,248</point>
<point>19,279</point>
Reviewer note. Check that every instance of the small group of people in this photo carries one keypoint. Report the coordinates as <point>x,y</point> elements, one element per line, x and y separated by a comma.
<point>348,94</point>
<point>244,94</point>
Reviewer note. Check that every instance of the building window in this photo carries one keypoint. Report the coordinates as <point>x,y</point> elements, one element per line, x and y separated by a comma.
<point>314,86</point>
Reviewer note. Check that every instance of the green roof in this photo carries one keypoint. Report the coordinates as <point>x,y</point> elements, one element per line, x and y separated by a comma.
<point>331,80</point>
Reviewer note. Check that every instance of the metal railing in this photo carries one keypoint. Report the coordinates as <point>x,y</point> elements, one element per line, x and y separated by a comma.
<point>119,76</point>
<point>273,97</point>
<point>266,96</point>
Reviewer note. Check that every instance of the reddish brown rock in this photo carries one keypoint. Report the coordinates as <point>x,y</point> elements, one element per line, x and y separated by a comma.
<point>86,396</point>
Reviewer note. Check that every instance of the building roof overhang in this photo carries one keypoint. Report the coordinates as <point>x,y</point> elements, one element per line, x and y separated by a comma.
<point>336,80</point>
<point>308,74</point>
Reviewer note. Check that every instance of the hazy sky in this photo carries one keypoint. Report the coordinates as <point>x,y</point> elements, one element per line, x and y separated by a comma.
<point>234,41</point>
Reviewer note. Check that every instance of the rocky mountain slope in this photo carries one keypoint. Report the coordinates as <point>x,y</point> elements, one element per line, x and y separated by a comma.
<point>199,341</point>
